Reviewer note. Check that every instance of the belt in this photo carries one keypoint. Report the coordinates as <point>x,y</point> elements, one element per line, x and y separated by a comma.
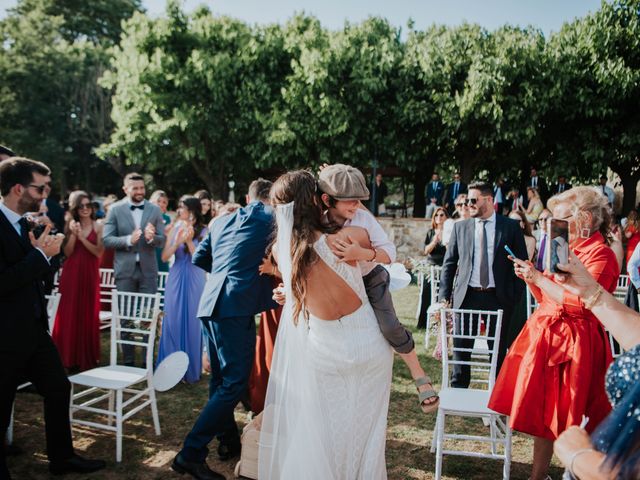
<point>480,289</point>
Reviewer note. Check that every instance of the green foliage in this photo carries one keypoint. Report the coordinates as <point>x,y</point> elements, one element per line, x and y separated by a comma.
<point>195,100</point>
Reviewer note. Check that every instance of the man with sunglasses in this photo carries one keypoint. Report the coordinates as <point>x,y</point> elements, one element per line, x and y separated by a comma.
<point>26,349</point>
<point>476,273</point>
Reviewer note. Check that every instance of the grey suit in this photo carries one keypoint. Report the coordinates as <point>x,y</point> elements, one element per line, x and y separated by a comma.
<point>456,274</point>
<point>135,266</point>
<point>118,226</point>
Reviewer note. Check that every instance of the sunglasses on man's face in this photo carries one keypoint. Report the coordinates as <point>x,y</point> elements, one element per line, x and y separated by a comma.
<point>39,188</point>
<point>471,201</point>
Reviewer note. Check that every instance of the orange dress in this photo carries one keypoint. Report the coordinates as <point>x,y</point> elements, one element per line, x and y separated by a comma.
<point>554,372</point>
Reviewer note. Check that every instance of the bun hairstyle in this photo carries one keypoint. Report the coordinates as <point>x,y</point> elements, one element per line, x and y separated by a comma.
<point>589,208</point>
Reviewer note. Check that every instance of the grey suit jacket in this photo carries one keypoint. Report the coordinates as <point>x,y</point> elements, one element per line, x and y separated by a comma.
<point>458,262</point>
<point>119,225</point>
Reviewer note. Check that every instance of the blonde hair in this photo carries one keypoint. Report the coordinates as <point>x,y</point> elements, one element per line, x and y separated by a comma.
<point>584,201</point>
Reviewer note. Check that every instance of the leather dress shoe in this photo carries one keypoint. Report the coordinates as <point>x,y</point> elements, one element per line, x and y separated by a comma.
<point>76,464</point>
<point>198,470</point>
<point>229,450</point>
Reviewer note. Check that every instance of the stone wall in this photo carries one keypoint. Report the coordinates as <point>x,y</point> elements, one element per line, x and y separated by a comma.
<point>407,234</point>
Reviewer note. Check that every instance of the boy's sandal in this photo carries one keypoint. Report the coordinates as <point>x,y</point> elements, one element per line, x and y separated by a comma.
<point>426,395</point>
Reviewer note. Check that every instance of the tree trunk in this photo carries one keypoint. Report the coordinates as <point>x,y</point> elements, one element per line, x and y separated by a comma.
<point>629,186</point>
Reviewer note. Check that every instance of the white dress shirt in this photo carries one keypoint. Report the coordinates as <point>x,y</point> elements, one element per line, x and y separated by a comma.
<point>137,220</point>
<point>379,239</point>
<point>477,239</point>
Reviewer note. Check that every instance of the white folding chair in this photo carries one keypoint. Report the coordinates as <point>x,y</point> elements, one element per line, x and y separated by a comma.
<point>621,289</point>
<point>107,285</point>
<point>532,303</point>
<point>134,320</point>
<point>434,276</point>
<point>53,301</point>
<point>472,402</point>
<point>162,285</point>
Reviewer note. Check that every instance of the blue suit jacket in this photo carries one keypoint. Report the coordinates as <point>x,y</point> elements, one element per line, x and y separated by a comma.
<point>231,253</point>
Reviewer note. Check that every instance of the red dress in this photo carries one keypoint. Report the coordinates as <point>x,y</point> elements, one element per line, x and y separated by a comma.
<point>632,241</point>
<point>76,331</point>
<point>554,371</point>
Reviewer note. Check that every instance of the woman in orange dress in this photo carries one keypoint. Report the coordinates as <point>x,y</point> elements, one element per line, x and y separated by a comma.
<point>554,371</point>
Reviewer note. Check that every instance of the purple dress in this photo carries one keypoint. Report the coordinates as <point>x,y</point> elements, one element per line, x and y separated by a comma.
<point>181,328</point>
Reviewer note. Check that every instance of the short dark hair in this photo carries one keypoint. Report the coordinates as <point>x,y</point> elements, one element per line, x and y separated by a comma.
<point>19,171</point>
<point>484,187</point>
<point>133,176</point>
<point>259,189</point>
<point>6,151</point>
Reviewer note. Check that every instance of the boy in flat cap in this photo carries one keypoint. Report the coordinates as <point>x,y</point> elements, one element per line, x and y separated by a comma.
<point>342,187</point>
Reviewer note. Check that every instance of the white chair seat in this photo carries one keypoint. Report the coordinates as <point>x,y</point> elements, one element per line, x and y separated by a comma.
<point>113,377</point>
<point>464,400</point>
<point>105,316</point>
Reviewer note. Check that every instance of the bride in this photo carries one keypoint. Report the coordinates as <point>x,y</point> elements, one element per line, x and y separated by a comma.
<point>325,414</point>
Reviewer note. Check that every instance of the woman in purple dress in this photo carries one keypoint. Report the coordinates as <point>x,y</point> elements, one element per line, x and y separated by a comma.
<point>181,330</point>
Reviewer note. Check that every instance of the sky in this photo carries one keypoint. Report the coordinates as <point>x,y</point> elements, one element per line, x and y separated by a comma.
<point>547,15</point>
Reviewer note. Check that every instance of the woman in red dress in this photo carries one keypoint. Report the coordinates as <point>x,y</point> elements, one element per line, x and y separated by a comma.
<point>554,371</point>
<point>76,331</point>
<point>632,233</point>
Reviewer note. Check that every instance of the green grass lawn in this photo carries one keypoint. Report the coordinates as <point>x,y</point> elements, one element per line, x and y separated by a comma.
<point>146,456</point>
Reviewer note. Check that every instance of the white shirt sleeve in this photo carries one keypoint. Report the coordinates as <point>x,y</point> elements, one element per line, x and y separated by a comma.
<point>633,267</point>
<point>378,237</point>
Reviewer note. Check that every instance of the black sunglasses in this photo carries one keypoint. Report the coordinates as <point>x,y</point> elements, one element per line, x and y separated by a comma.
<point>39,188</point>
<point>85,205</point>
<point>471,201</point>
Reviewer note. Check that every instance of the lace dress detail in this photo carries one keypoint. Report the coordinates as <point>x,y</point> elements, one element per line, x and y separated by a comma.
<point>352,366</point>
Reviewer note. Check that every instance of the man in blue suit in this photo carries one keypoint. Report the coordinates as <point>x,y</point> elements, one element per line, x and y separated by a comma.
<point>234,293</point>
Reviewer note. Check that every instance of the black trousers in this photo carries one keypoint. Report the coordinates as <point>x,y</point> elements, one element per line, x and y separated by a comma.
<point>42,367</point>
<point>476,300</point>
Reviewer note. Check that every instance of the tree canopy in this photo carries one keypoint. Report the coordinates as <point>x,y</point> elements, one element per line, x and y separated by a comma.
<point>198,99</point>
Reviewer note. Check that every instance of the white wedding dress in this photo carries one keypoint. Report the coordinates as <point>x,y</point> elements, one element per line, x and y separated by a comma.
<point>325,416</point>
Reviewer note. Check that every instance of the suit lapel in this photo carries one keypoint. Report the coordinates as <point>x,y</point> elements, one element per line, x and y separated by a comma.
<point>128,214</point>
<point>471,238</point>
<point>145,214</point>
<point>11,232</point>
<point>498,236</point>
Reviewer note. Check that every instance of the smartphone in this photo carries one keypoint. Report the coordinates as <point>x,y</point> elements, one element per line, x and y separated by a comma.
<point>510,252</point>
<point>557,250</point>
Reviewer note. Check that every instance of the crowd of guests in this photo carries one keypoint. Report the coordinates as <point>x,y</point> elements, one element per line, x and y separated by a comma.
<point>553,364</point>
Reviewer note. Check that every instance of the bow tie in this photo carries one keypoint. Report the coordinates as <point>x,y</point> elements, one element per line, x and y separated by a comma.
<point>133,207</point>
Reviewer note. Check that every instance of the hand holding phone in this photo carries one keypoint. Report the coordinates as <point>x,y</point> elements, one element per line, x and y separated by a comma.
<point>509,251</point>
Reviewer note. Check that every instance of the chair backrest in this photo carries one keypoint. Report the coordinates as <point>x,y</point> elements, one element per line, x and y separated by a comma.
<point>434,274</point>
<point>482,328</point>
<point>53,301</point>
<point>532,303</point>
<point>621,289</point>
<point>162,285</point>
<point>133,322</point>
<point>107,284</point>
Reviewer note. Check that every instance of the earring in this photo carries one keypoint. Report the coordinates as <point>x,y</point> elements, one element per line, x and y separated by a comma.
<point>585,233</point>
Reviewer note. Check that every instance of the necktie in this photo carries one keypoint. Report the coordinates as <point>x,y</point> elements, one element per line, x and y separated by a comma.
<point>561,187</point>
<point>133,207</point>
<point>455,190</point>
<point>484,257</point>
<point>24,228</point>
<point>534,182</point>
<point>540,261</point>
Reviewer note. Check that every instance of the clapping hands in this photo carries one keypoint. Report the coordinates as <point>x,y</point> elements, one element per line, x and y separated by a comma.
<point>149,232</point>
<point>48,244</point>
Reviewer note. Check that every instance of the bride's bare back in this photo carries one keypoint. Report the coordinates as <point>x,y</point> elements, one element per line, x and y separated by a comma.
<point>328,296</point>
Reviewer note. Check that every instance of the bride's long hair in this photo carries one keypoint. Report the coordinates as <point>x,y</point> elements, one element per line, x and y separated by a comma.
<point>300,187</point>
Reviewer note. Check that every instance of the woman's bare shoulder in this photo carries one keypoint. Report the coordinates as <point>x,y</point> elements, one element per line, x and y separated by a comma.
<point>358,234</point>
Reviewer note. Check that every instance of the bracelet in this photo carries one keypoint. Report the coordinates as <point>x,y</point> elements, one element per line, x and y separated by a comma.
<point>590,302</point>
<point>573,459</point>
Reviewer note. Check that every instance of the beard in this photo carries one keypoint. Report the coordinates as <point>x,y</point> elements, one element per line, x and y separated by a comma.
<point>27,203</point>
